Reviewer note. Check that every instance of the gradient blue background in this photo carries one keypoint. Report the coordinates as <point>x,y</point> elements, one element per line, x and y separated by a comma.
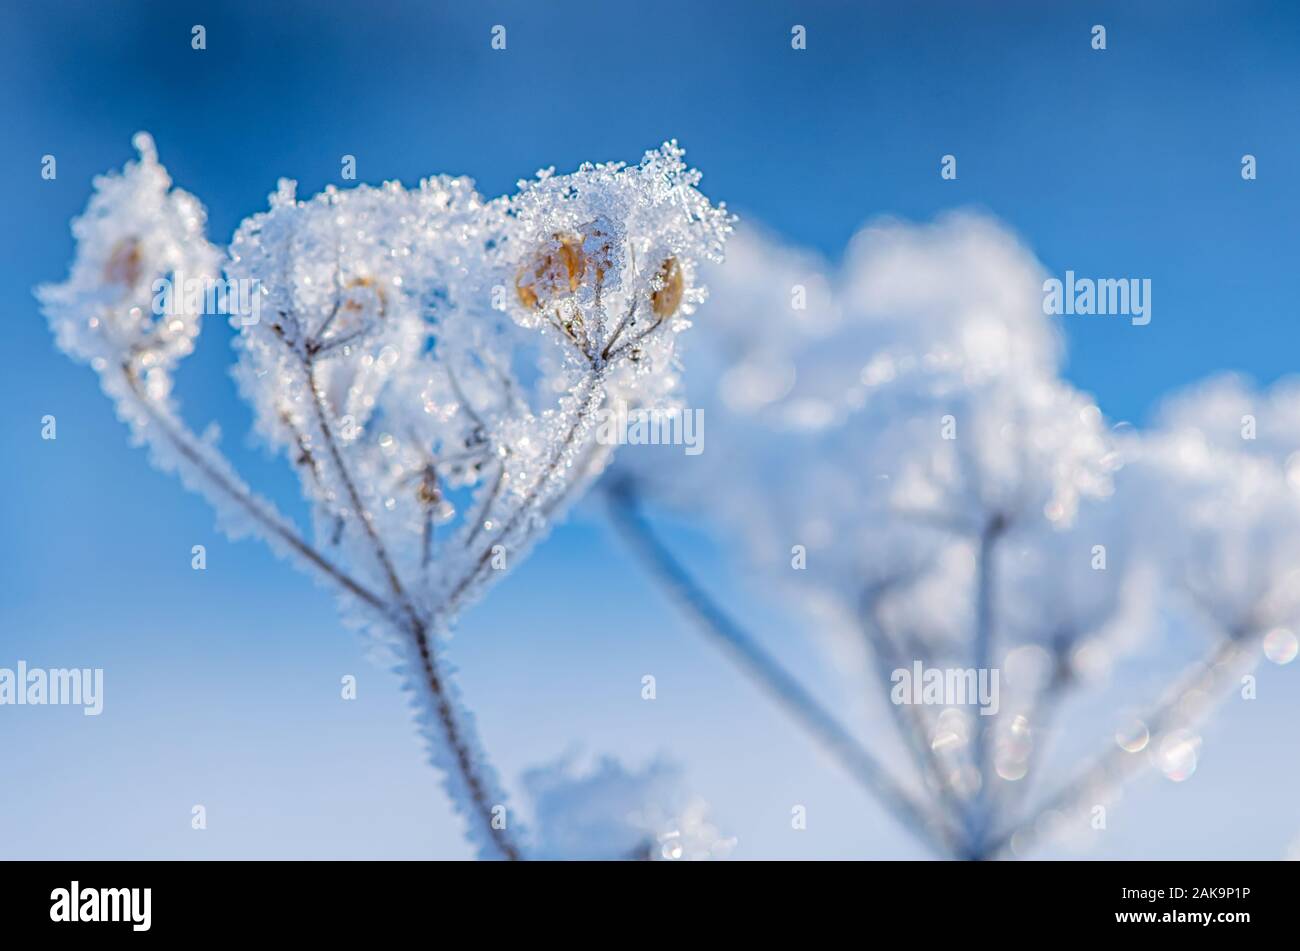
<point>222,686</point>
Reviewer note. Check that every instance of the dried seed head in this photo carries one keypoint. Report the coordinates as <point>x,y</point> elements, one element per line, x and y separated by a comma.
<point>553,272</point>
<point>125,263</point>
<point>665,301</point>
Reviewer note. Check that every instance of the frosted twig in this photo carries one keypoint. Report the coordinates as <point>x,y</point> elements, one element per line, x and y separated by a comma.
<point>981,816</point>
<point>908,718</point>
<point>417,628</point>
<point>354,495</point>
<point>483,513</point>
<point>525,509</point>
<point>259,509</point>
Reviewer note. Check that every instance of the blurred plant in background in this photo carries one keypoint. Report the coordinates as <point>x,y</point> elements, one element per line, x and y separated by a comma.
<point>431,365</point>
<point>894,451</point>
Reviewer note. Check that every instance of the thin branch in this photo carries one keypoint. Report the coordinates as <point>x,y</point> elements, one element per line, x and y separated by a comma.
<point>525,508</point>
<point>1041,716</point>
<point>307,459</point>
<point>630,316</point>
<point>354,495</point>
<point>587,468</point>
<point>1115,764</point>
<point>470,411</point>
<point>909,719</point>
<point>319,336</point>
<point>426,540</point>
<point>632,343</point>
<point>980,816</point>
<point>418,629</point>
<point>259,509</point>
<point>770,675</point>
<point>454,733</point>
<point>618,330</point>
<point>1046,703</point>
<point>484,510</point>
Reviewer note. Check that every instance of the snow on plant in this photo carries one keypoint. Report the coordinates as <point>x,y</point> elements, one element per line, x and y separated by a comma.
<point>610,813</point>
<point>429,362</point>
<point>906,441</point>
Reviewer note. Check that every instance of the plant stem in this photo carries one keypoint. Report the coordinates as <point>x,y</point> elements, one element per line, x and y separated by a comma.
<point>260,510</point>
<point>454,734</point>
<point>1115,764</point>
<point>770,675</point>
<point>415,627</point>
<point>980,816</point>
<point>354,495</point>
<point>485,556</point>
<point>909,720</point>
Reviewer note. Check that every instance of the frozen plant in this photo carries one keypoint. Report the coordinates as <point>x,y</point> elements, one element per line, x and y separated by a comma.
<point>907,467</point>
<point>429,362</point>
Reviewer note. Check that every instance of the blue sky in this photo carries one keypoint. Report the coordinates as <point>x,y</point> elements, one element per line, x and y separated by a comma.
<point>221,686</point>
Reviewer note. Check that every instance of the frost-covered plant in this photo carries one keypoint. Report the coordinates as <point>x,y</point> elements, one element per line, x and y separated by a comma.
<point>905,464</point>
<point>429,362</point>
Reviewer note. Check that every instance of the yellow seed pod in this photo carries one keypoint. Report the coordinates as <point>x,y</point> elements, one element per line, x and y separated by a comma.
<point>665,301</point>
<point>125,263</point>
<point>554,272</point>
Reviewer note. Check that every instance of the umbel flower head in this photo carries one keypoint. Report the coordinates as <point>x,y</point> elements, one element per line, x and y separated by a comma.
<point>607,256</point>
<point>136,230</point>
<point>429,362</point>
